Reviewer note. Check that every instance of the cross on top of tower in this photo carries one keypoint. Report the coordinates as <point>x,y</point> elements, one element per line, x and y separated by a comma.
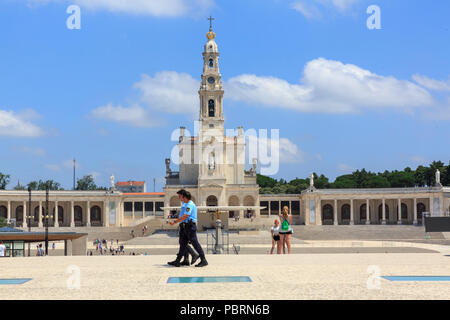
<point>210,22</point>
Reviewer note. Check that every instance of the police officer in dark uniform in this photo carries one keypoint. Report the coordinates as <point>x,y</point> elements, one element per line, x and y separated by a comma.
<point>188,231</point>
<point>190,250</point>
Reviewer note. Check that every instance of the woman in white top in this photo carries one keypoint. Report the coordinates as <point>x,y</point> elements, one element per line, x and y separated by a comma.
<point>286,229</point>
<point>275,237</point>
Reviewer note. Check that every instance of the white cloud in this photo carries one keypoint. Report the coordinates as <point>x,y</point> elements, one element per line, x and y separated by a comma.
<point>312,8</point>
<point>18,125</point>
<point>432,84</point>
<point>134,116</point>
<point>308,10</point>
<point>170,92</point>
<point>288,151</point>
<point>346,168</point>
<point>34,151</point>
<point>95,174</point>
<point>329,86</point>
<point>157,8</point>
<point>343,5</point>
<point>441,112</point>
<point>419,159</point>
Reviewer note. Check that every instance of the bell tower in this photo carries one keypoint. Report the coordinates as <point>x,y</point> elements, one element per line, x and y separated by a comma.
<point>211,88</point>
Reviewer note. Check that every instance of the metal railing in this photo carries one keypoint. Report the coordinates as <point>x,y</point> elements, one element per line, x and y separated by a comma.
<point>214,245</point>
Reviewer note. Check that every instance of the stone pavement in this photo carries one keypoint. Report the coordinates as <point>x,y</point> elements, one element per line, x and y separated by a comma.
<point>296,276</point>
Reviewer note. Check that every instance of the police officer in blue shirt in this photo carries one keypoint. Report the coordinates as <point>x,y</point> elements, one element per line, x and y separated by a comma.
<point>189,250</point>
<point>188,231</point>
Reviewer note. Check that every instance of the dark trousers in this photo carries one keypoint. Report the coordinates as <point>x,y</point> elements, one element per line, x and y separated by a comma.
<point>188,233</point>
<point>189,250</point>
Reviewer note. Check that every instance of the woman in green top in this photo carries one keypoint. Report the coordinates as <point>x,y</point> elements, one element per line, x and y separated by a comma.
<point>285,229</point>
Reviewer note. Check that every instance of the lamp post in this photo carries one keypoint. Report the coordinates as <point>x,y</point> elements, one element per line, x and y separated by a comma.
<point>29,218</point>
<point>46,219</point>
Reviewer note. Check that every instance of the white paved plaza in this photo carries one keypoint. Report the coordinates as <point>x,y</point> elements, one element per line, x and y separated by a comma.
<point>297,276</point>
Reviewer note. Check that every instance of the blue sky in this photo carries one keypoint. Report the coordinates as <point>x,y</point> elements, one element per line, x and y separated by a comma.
<point>343,97</point>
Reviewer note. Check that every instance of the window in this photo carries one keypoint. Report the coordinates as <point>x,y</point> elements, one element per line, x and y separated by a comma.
<point>138,206</point>
<point>3,212</point>
<point>327,213</point>
<point>149,207</point>
<point>274,207</point>
<point>295,210</point>
<point>78,214</point>
<point>345,212</point>
<point>158,207</point>
<point>211,108</point>
<point>264,204</point>
<point>96,214</point>
<point>211,63</point>
<point>128,209</point>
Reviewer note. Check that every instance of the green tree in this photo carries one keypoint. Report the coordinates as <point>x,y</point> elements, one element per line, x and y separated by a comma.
<point>321,182</point>
<point>87,183</point>
<point>265,182</point>
<point>3,222</point>
<point>402,179</point>
<point>445,176</point>
<point>33,185</point>
<point>379,182</point>
<point>420,176</point>
<point>4,180</point>
<point>52,185</point>
<point>347,181</point>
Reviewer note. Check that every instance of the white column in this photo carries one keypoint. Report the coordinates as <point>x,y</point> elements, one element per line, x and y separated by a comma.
<point>318,212</point>
<point>415,211</point>
<point>72,214</point>
<point>106,213</point>
<point>8,214</point>
<point>383,219</point>
<point>132,210</point>
<point>399,211</point>
<point>24,215</point>
<point>154,208</point>
<point>268,203</point>
<point>55,218</point>
<point>352,218</point>
<point>335,213</point>
<point>431,206</point>
<point>367,212</point>
<point>40,225</point>
<point>88,211</point>
<point>307,209</point>
<point>143,209</point>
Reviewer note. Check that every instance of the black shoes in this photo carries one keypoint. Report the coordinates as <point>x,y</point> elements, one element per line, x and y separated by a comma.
<point>175,263</point>
<point>202,263</point>
<point>195,258</point>
<point>185,262</point>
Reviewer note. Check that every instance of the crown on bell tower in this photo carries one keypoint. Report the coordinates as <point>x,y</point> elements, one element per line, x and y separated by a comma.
<point>210,35</point>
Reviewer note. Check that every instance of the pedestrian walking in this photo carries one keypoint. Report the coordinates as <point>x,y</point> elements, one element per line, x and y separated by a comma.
<point>188,231</point>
